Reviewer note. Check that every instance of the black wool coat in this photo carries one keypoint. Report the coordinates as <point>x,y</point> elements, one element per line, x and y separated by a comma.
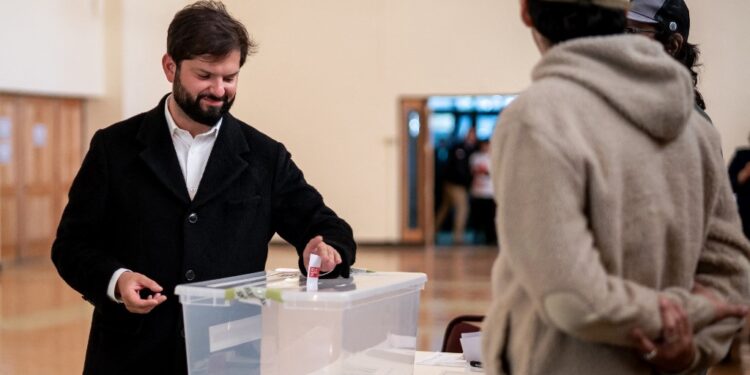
<point>129,208</point>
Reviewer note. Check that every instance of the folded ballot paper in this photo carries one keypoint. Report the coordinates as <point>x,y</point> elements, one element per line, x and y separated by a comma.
<point>443,359</point>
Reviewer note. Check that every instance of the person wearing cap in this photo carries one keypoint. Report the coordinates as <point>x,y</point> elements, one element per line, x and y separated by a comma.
<point>739,177</point>
<point>621,242</point>
<point>668,22</point>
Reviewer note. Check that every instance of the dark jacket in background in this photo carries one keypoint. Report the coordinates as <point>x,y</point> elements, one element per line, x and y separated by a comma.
<point>457,169</point>
<point>741,191</point>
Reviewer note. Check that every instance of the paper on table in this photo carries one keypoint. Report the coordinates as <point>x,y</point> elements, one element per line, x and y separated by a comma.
<point>471,342</point>
<point>444,359</point>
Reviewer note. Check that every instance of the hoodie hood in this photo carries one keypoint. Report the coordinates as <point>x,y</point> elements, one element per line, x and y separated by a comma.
<point>632,73</point>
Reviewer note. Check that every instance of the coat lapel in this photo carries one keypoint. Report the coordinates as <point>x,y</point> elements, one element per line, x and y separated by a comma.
<point>159,153</point>
<point>225,163</point>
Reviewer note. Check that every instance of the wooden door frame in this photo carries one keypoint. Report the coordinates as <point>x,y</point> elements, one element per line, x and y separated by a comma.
<point>425,231</point>
<point>23,119</point>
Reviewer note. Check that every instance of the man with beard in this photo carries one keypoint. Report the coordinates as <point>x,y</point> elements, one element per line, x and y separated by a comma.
<point>183,193</point>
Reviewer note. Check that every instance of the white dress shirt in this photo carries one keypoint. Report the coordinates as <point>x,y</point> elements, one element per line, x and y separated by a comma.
<point>192,154</point>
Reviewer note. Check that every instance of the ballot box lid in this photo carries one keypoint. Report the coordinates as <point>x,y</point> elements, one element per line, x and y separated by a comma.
<point>289,287</point>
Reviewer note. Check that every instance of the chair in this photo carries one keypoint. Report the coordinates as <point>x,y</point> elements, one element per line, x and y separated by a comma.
<point>457,326</point>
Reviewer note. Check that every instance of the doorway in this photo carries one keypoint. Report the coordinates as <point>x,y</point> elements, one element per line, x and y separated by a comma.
<point>431,128</point>
<point>41,144</point>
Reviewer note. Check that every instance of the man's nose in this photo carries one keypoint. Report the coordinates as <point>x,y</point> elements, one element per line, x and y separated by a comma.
<point>217,88</point>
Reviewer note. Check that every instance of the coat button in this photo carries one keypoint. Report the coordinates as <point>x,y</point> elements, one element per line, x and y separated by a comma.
<point>193,218</point>
<point>190,275</point>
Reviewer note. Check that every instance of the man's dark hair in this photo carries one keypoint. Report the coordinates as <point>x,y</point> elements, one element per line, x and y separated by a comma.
<point>206,28</point>
<point>687,56</point>
<point>678,12</point>
<point>559,22</point>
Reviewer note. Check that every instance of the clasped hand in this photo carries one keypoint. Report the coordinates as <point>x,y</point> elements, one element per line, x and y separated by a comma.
<point>675,350</point>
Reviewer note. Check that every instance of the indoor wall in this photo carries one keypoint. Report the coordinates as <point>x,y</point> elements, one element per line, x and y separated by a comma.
<point>329,74</point>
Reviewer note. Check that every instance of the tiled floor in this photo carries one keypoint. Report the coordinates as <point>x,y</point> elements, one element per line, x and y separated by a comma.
<point>44,323</point>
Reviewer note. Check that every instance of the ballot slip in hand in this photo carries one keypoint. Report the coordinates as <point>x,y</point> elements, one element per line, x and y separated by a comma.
<point>313,272</point>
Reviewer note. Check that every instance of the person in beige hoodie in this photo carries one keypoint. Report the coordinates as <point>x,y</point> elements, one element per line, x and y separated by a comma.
<point>612,206</point>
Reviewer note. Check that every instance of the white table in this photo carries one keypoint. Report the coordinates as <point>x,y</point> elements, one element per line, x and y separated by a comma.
<point>421,369</point>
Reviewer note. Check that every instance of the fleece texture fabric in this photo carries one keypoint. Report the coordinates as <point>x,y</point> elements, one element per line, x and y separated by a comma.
<point>611,191</point>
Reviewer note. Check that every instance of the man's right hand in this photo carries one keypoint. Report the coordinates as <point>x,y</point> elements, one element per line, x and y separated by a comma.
<point>723,309</point>
<point>744,174</point>
<point>128,289</point>
<point>675,350</point>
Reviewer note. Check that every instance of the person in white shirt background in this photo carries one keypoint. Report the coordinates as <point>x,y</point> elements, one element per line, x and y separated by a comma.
<point>482,198</point>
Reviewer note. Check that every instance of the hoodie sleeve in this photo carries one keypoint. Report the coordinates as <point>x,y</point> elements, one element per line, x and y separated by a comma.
<point>724,264</point>
<point>542,201</point>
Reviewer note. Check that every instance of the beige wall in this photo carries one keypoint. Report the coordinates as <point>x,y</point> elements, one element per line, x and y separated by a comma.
<point>720,29</point>
<point>329,74</point>
<point>52,47</point>
<point>144,42</point>
<point>106,108</point>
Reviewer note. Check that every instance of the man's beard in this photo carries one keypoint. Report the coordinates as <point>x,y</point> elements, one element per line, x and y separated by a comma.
<point>192,107</point>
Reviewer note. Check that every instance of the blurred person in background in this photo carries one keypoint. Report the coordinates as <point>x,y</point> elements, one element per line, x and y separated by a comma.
<point>739,175</point>
<point>482,195</point>
<point>457,180</point>
<point>668,22</point>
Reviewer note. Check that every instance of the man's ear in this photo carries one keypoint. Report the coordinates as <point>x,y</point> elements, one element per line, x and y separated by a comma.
<point>674,44</point>
<point>169,66</point>
<point>525,16</point>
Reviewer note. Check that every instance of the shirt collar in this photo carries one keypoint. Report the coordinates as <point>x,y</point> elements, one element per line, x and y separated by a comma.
<point>173,126</point>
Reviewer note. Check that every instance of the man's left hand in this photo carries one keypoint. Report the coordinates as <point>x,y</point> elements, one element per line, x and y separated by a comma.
<point>675,350</point>
<point>744,174</point>
<point>329,257</point>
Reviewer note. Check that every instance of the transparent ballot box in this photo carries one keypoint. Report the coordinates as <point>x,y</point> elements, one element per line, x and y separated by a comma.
<point>268,323</point>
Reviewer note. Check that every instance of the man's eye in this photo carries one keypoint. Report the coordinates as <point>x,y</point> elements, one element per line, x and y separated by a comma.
<point>203,76</point>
